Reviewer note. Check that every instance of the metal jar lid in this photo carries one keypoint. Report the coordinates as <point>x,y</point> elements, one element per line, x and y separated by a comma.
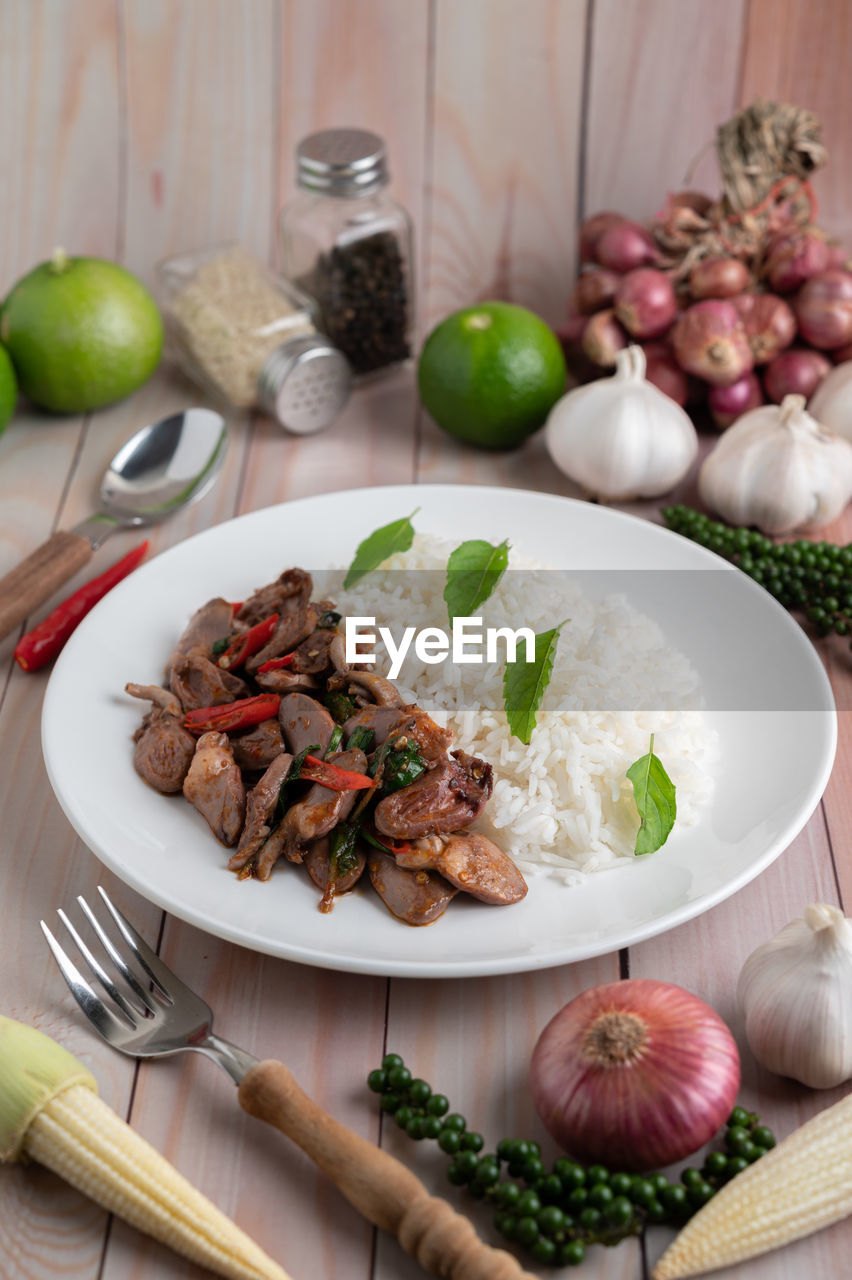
<point>342,162</point>
<point>304,383</point>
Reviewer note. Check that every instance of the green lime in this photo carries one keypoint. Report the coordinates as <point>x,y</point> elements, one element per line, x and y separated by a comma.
<point>82,333</point>
<point>490,374</point>
<point>8,389</point>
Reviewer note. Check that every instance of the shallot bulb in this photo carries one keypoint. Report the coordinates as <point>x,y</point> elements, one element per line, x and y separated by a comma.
<point>823,309</point>
<point>634,1074</point>
<point>710,341</point>
<point>695,200</point>
<point>729,403</point>
<point>793,259</point>
<point>645,302</point>
<point>797,372</point>
<point>663,372</point>
<point>591,230</point>
<point>718,278</point>
<point>594,290</point>
<point>602,337</point>
<point>625,246</point>
<point>769,324</point>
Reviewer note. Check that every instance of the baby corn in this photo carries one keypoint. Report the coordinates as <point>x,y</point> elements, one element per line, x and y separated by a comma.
<point>801,1185</point>
<point>50,1112</point>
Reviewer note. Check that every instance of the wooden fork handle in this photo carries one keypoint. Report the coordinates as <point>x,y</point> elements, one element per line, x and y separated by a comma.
<point>380,1188</point>
<point>31,582</point>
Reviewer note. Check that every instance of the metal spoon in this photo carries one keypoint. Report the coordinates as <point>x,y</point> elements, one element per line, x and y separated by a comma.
<point>162,468</point>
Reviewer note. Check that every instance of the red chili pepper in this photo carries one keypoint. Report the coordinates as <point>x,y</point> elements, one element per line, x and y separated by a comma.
<point>242,714</point>
<point>251,641</point>
<point>332,776</point>
<point>275,664</point>
<point>388,842</point>
<point>43,643</point>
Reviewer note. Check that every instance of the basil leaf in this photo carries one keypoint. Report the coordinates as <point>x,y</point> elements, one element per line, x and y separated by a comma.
<point>367,835</point>
<point>328,621</point>
<point>396,536</point>
<point>219,646</point>
<point>335,740</point>
<point>524,684</point>
<point>361,737</point>
<point>343,856</point>
<point>340,706</point>
<point>473,571</point>
<point>655,800</point>
<point>402,766</point>
<point>292,776</point>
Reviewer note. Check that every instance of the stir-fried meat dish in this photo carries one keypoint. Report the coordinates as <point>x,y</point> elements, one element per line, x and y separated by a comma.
<point>290,753</point>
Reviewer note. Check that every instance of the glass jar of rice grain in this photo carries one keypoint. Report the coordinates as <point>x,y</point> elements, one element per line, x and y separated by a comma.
<point>248,338</point>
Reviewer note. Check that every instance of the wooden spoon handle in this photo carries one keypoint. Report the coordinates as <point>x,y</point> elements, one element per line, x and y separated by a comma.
<point>380,1188</point>
<point>31,582</point>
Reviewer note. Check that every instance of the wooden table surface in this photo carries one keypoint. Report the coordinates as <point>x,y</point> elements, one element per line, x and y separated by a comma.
<point>136,128</point>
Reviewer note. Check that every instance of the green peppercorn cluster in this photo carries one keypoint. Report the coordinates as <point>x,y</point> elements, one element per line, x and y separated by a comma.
<point>557,1213</point>
<point>813,578</point>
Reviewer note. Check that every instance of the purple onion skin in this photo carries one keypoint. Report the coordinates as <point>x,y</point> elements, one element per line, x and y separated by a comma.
<point>710,341</point>
<point>798,372</point>
<point>591,230</point>
<point>645,303</point>
<point>602,337</point>
<point>718,278</point>
<point>823,308</point>
<point>595,290</point>
<point>648,1110</point>
<point>625,246</point>
<point>769,324</point>
<point>793,259</point>
<point>665,373</point>
<point>729,403</point>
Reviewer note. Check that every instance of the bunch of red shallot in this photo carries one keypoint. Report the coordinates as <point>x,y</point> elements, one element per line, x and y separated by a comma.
<point>728,332</point>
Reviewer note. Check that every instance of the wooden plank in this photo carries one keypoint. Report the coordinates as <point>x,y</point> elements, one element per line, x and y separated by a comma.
<point>200,82</point>
<point>799,53</point>
<point>505,151</point>
<point>662,76</point>
<point>60,148</point>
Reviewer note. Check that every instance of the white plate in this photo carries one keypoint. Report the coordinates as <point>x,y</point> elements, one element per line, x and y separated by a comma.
<point>767,692</point>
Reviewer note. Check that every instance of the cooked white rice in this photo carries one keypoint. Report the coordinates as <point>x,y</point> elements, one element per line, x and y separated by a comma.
<point>563,804</point>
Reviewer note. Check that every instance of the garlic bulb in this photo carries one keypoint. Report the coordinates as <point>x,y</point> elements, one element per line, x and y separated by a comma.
<point>620,437</point>
<point>796,994</point>
<point>831,403</point>
<point>777,468</point>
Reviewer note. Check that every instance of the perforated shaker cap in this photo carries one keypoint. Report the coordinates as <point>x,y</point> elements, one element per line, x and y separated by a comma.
<point>342,162</point>
<point>304,384</point>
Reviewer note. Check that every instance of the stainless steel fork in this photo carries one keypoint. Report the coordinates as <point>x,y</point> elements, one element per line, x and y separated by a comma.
<point>158,1015</point>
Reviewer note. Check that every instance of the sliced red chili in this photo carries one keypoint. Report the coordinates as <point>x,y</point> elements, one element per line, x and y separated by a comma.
<point>43,643</point>
<point>251,641</point>
<point>242,714</point>
<point>275,664</point>
<point>384,842</point>
<point>332,776</point>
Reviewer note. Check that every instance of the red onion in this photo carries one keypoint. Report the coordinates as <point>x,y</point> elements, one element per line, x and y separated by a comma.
<point>797,372</point>
<point>625,246</point>
<point>838,258</point>
<point>602,337</point>
<point>729,403</point>
<point>663,371</point>
<point>794,258</point>
<point>595,290</point>
<point>823,309</point>
<point>645,302</point>
<point>710,341</point>
<point>718,278</point>
<point>591,230</point>
<point>841,354</point>
<point>769,324</point>
<point>634,1074</point>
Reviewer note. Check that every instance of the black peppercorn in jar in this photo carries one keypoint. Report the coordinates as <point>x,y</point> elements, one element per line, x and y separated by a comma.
<point>349,245</point>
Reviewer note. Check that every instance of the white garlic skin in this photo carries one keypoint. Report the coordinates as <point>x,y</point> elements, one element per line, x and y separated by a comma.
<point>831,403</point>
<point>779,469</point>
<point>796,994</point>
<point>621,437</point>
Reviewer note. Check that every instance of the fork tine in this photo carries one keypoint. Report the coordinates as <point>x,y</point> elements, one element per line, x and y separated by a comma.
<point>167,983</point>
<point>101,974</point>
<point>119,961</point>
<point>88,1000</point>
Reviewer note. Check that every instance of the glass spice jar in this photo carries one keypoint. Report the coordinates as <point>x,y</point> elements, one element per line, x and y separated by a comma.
<point>248,338</point>
<point>349,245</point>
